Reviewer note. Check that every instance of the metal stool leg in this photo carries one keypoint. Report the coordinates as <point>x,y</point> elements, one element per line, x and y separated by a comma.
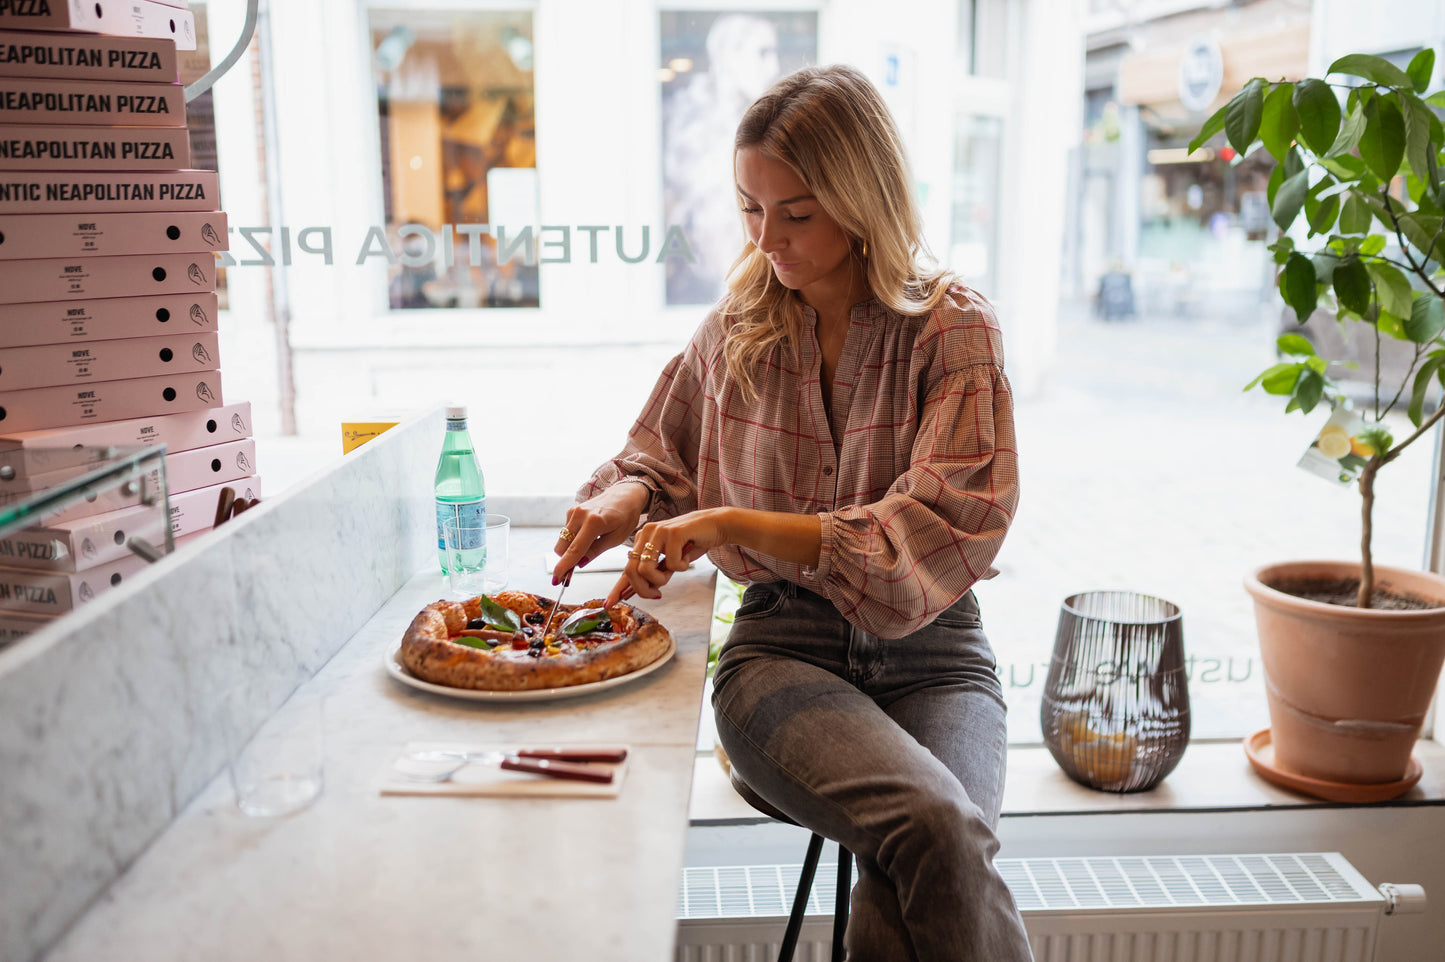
<point>800,900</point>
<point>840,901</point>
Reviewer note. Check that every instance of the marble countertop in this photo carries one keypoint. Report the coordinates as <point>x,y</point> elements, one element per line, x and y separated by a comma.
<point>358,875</point>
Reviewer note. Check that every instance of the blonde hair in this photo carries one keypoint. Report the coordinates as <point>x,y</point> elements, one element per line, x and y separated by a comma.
<point>831,126</point>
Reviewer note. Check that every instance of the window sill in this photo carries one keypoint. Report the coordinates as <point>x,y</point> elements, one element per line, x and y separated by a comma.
<point>1212,777</point>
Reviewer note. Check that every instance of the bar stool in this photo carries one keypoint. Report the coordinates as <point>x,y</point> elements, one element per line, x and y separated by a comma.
<point>805,880</point>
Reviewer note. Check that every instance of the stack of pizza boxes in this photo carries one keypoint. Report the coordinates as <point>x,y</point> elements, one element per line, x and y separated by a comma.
<point>107,296</point>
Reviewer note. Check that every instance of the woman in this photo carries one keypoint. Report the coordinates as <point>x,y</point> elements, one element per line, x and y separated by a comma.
<point>839,434</point>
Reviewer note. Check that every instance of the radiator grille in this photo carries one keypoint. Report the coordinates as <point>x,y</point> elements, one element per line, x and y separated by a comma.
<point>1202,908</point>
<point>1049,884</point>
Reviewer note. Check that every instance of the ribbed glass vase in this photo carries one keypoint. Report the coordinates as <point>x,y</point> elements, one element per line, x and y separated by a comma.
<point>1115,711</point>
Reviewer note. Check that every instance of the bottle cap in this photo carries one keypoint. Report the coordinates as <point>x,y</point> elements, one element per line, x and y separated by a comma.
<point>456,412</point>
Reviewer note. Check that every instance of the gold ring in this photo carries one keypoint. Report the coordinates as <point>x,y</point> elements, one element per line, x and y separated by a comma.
<point>645,557</point>
<point>566,534</point>
<point>636,555</point>
<point>649,546</point>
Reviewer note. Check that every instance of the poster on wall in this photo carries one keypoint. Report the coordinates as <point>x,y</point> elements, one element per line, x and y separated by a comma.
<point>713,66</point>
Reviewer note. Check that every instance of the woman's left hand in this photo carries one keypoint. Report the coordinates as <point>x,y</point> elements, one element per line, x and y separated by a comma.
<point>663,548</point>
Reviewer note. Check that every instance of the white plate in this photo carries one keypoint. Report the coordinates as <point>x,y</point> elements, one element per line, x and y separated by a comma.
<point>397,670</point>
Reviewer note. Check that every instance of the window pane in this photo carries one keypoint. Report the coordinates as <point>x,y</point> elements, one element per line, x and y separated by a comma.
<point>712,67</point>
<point>458,147</point>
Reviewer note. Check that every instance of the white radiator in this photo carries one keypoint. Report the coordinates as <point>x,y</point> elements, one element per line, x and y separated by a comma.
<point>1311,907</point>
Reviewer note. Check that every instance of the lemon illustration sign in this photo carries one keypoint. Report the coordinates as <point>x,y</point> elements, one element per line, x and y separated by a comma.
<point>1338,452</point>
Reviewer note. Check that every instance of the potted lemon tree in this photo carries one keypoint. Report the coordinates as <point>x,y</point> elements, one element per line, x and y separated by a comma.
<point>1352,651</point>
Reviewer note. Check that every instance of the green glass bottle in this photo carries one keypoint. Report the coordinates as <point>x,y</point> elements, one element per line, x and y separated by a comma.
<point>461,491</point>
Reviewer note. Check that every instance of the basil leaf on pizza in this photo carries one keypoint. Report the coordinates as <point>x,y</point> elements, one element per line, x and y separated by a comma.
<point>496,616</point>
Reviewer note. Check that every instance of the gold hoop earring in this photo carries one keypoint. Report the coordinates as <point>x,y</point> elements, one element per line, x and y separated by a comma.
<point>865,248</point>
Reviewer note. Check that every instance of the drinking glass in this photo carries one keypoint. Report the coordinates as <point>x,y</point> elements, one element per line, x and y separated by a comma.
<point>477,555</point>
<point>276,768</point>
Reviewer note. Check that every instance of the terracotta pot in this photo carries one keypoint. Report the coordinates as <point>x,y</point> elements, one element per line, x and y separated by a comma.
<point>1348,687</point>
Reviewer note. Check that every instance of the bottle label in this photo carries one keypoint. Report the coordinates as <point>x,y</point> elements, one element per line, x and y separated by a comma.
<point>470,515</point>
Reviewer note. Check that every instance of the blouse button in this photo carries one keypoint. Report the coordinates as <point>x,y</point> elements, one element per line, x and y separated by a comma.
<point>827,472</point>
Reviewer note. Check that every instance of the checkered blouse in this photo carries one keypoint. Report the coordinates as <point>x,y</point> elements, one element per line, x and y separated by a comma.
<point>915,490</point>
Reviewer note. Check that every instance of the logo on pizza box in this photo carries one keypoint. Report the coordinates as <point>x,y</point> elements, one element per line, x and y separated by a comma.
<point>243,462</point>
<point>199,316</point>
<point>204,393</point>
<point>199,352</point>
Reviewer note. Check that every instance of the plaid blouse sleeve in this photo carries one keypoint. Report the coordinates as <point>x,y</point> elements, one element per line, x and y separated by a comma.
<point>661,452</point>
<point>893,565</point>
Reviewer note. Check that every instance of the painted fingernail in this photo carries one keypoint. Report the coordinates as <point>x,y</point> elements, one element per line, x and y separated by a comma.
<point>583,562</point>
<point>555,581</point>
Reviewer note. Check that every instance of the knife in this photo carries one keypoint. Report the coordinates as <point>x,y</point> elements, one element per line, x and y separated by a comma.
<point>566,580</point>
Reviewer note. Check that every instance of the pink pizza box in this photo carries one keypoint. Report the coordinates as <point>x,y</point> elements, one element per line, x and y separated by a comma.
<point>69,322</point>
<point>71,404</point>
<point>193,511</point>
<point>55,279</point>
<point>84,235</point>
<point>56,592</point>
<point>95,192</point>
<point>185,471</point>
<point>133,18</point>
<point>94,148</point>
<point>178,432</point>
<point>81,57</point>
<point>83,544</point>
<point>15,625</point>
<point>22,368</point>
<point>85,103</point>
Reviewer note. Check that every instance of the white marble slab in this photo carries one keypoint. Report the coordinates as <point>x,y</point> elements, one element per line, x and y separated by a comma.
<point>364,876</point>
<point>112,716</point>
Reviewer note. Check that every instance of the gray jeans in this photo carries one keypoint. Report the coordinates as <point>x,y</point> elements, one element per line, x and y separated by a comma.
<point>895,748</point>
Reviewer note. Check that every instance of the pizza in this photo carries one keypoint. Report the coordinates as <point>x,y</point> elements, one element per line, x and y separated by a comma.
<point>495,642</point>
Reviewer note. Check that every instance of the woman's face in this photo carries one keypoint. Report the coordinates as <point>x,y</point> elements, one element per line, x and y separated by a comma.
<point>810,253</point>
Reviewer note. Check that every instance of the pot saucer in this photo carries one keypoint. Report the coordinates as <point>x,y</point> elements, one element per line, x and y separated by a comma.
<point>1260,749</point>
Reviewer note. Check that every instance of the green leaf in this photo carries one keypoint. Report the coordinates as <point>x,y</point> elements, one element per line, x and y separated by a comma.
<point>1321,212</point>
<point>1295,344</point>
<point>1391,325</point>
<point>1391,287</point>
<point>1429,369</point>
<point>1298,286</point>
<point>1350,132</point>
<point>1317,364</point>
<point>471,642</point>
<point>1318,111</point>
<point>1437,99</point>
<point>1382,145</point>
<point>1271,189</point>
<point>1289,199</point>
<point>1279,379</point>
<point>1355,216</point>
<point>1373,244</point>
<point>1243,113</point>
<point>1211,127</point>
<point>497,616</point>
<point>1426,319</point>
<point>1345,167</point>
<point>1352,285</point>
<point>1423,231</point>
<point>1282,247</point>
<point>1378,438</point>
<point>1378,69</point>
<point>1422,67</point>
<point>1418,145</point>
<point>1308,391</point>
<point>1324,263</point>
<point>585,620</point>
<point>1278,122</point>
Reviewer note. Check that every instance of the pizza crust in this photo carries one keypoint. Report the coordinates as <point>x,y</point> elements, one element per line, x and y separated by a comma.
<point>428,652</point>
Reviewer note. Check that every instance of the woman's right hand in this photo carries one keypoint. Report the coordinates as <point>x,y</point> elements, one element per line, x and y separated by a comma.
<point>601,522</point>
